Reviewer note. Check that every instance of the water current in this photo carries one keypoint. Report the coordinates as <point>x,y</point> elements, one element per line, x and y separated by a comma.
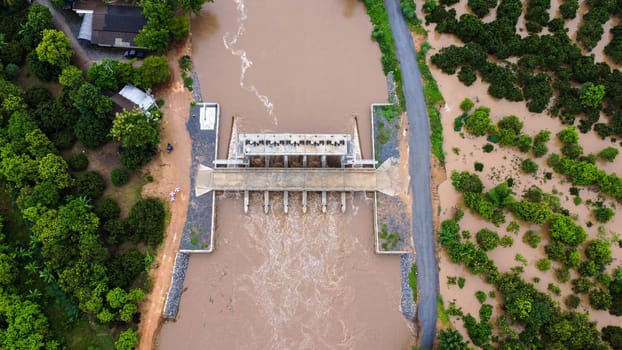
<point>290,281</point>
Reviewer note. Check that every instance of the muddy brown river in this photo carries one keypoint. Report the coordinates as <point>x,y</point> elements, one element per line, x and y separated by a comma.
<point>295,281</point>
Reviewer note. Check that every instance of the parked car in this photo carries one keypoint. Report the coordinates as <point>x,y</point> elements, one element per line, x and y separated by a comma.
<point>134,53</point>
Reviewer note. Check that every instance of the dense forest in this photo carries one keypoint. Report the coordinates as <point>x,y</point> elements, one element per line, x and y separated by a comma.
<point>73,268</point>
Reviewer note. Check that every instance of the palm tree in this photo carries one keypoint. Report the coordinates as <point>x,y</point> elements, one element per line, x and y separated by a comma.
<point>34,294</point>
<point>46,275</point>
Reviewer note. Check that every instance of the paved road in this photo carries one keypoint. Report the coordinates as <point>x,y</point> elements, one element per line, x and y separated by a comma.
<point>419,162</point>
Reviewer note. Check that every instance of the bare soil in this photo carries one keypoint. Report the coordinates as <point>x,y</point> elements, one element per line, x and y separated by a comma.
<point>169,171</point>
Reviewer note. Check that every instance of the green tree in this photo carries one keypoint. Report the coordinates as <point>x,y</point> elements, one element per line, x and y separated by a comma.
<point>111,74</point>
<point>537,213</point>
<point>592,95</point>
<point>451,340</point>
<point>89,100</point>
<point>466,182</point>
<point>563,229</point>
<point>529,166</point>
<point>487,239</point>
<point>179,27</point>
<point>71,77</point>
<point>603,214</point>
<point>543,264</point>
<point>192,6</point>
<point>155,39</point>
<point>511,122</point>
<point>90,184</point>
<point>608,154</point>
<point>153,71</point>
<point>39,18</point>
<point>599,299</point>
<point>613,335</point>
<point>53,168</point>
<point>599,251</point>
<point>569,135</point>
<point>55,48</point>
<point>146,221</point>
<point>135,129</point>
<point>127,340</point>
<point>532,238</point>
<point>466,104</point>
<point>477,123</point>
<point>107,209</point>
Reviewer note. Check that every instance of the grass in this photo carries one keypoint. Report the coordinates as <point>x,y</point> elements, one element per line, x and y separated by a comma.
<point>442,313</point>
<point>412,281</point>
<point>433,98</point>
<point>384,37</point>
<point>84,334</point>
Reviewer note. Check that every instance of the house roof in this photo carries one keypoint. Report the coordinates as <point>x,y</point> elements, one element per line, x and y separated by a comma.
<point>137,96</point>
<point>112,25</point>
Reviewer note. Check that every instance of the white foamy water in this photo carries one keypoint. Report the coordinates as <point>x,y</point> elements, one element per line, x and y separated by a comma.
<point>301,276</point>
<point>230,42</point>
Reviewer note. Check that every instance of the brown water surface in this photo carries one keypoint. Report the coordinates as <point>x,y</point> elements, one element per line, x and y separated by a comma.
<point>296,281</point>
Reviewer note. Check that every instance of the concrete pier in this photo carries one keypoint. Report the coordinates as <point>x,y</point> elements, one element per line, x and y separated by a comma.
<point>266,202</point>
<point>304,201</point>
<point>343,202</point>
<point>246,202</point>
<point>324,202</point>
<point>286,202</point>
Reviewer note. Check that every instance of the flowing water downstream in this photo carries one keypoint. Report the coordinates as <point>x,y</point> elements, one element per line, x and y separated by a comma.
<point>295,281</point>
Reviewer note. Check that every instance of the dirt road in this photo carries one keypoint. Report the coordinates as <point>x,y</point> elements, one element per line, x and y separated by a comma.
<point>169,171</point>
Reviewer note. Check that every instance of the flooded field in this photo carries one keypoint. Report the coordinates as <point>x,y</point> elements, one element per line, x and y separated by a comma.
<point>296,281</point>
<point>463,150</point>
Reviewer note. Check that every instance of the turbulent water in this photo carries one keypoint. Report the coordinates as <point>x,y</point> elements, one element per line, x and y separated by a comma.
<point>290,281</point>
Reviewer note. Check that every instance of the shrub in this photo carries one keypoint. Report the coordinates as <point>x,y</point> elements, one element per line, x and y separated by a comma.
<point>599,251</point>
<point>608,154</point>
<point>554,289</point>
<point>513,227</point>
<point>524,143</point>
<point>467,76</point>
<point>569,135</point>
<point>78,162</point>
<point>478,166</point>
<point>539,150</point>
<point>461,282</point>
<point>562,275</point>
<point>529,166</point>
<point>146,221</point>
<point>488,148</point>
<point>481,296</point>
<point>477,123</point>
<point>485,311</point>
<point>119,176</point>
<point>107,209</point>
<point>572,301</point>
<point>487,239</point>
<point>613,335</point>
<point>581,285</point>
<point>543,264</point>
<point>466,105</point>
<point>603,214</point>
<point>90,184</point>
<point>599,299</point>
<point>125,268</point>
<point>11,70</point>
<point>506,241</point>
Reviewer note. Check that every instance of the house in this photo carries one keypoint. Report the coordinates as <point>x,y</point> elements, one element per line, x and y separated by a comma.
<point>131,97</point>
<point>113,25</point>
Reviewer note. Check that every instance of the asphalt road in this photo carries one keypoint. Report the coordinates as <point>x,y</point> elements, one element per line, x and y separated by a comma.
<point>419,163</point>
